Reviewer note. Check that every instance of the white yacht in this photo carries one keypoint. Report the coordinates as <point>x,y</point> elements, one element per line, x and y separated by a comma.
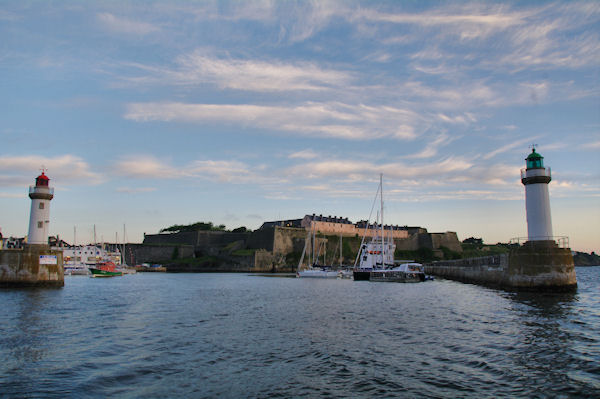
<point>376,258</point>
<point>78,259</point>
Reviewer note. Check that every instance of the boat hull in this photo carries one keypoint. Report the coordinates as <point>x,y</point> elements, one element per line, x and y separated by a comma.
<point>361,275</point>
<point>317,274</point>
<point>396,276</point>
<point>104,273</point>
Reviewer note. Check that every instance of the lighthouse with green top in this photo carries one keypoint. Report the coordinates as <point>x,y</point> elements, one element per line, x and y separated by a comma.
<point>535,178</point>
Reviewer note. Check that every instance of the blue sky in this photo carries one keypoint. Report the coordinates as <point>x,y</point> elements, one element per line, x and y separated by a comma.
<point>150,114</point>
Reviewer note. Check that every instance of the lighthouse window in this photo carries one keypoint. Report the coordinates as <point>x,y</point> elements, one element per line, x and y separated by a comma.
<point>41,205</point>
<point>40,225</point>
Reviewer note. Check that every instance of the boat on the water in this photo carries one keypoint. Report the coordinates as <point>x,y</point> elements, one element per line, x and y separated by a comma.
<point>313,269</point>
<point>405,273</point>
<point>315,272</point>
<point>76,269</point>
<point>376,258</point>
<point>105,269</point>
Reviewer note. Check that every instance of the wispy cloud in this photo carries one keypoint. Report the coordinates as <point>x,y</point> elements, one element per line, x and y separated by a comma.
<point>508,147</point>
<point>125,25</point>
<point>466,22</point>
<point>201,68</point>
<point>304,154</point>
<point>135,190</point>
<point>63,170</point>
<point>354,122</point>
<point>364,170</point>
<point>594,145</point>
<point>151,168</point>
<point>431,148</point>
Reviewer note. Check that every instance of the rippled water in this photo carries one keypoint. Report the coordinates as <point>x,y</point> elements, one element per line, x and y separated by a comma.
<point>234,335</point>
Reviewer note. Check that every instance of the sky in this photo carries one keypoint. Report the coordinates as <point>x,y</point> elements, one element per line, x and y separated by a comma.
<point>149,114</point>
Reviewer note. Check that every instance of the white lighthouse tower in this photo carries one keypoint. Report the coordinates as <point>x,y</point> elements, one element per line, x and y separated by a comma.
<point>535,178</point>
<point>39,218</point>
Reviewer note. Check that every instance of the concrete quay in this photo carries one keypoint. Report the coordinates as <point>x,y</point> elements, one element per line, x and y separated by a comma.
<point>35,265</point>
<point>534,266</point>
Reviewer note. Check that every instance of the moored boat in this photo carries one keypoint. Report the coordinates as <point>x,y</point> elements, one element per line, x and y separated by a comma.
<point>317,273</point>
<point>405,273</point>
<point>105,269</point>
<point>76,270</point>
<point>314,270</point>
<point>376,258</point>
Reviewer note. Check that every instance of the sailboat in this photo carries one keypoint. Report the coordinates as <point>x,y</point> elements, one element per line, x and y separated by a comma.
<point>376,258</point>
<point>313,269</point>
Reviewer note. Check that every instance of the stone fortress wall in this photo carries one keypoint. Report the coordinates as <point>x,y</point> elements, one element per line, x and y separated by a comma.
<point>275,245</point>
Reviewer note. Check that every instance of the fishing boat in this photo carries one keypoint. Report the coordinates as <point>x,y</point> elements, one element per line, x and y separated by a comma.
<point>105,269</point>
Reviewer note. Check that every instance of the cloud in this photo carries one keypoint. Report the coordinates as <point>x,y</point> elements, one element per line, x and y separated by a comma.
<point>149,167</point>
<point>545,37</point>
<point>63,170</point>
<point>198,68</point>
<point>364,170</point>
<point>13,195</point>
<point>125,25</point>
<point>594,145</point>
<point>510,146</point>
<point>304,154</point>
<point>135,190</point>
<point>431,149</point>
<point>468,22</point>
<point>224,171</point>
<point>333,119</point>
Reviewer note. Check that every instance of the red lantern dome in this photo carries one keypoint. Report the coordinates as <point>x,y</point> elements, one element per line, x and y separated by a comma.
<point>42,180</point>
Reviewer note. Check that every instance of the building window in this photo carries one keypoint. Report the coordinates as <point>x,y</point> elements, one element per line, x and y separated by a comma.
<point>40,225</point>
<point>41,205</point>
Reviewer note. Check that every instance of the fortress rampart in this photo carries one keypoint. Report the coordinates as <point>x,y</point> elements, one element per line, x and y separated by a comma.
<point>269,249</point>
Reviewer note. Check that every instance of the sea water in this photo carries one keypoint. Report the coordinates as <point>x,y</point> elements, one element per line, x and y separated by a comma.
<point>161,335</point>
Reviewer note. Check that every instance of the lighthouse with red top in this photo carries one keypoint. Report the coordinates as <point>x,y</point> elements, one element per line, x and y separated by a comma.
<point>39,218</point>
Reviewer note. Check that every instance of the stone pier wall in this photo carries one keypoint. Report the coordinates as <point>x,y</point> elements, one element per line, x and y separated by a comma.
<point>486,270</point>
<point>31,266</point>
<point>537,265</point>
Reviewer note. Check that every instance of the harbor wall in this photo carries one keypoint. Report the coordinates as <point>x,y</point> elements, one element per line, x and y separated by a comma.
<point>31,266</point>
<point>433,241</point>
<point>136,254</point>
<point>269,249</point>
<point>537,265</point>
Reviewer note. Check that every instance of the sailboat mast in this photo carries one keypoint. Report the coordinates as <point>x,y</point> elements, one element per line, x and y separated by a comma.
<point>314,243</point>
<point>123,261</point>
<point>382,235</point>
<point>340,249</point>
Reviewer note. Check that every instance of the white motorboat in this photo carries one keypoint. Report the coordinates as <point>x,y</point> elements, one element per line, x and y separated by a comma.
<point>405,273</point>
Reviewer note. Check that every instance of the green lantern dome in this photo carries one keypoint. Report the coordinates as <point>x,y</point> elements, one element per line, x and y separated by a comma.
<point>534,160</point>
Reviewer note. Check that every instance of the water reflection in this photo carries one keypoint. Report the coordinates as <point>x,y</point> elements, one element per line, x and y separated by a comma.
<point>554,341</point>
<point>184,335</point>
